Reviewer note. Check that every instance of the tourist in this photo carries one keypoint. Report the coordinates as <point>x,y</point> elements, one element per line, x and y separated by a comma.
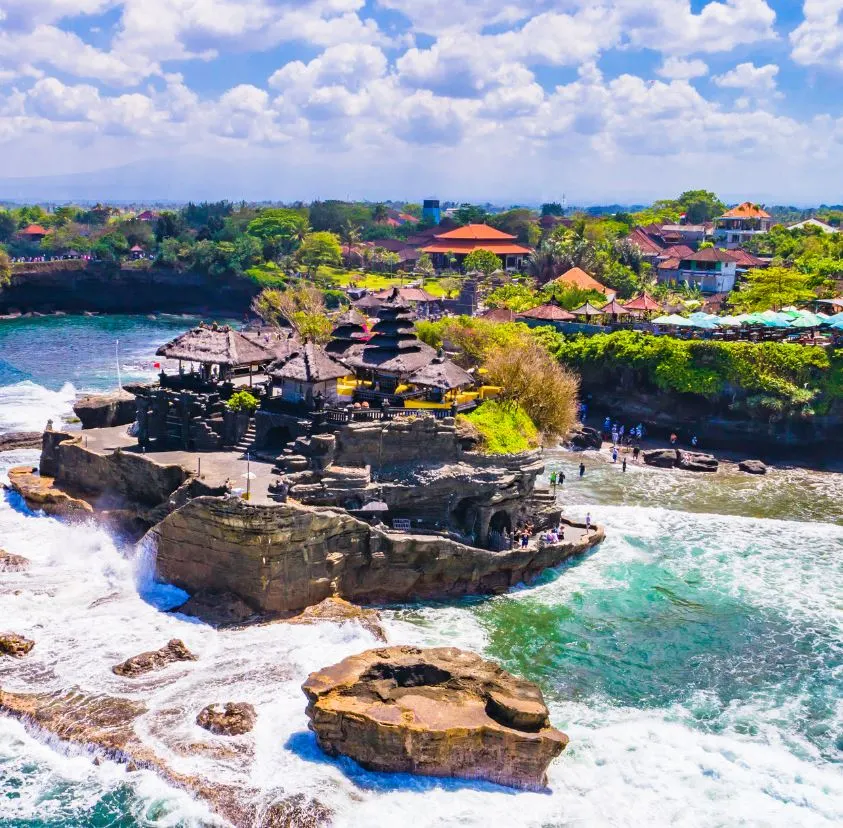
<point>635,452</point>
<point>561,478</point>
<point>673,439</point>
<point>582,469</point>
<point>607,428</point>
<point>525,539</point>
<point>553,480</point>
<point>694,441</point>
<point>588,523</point>
<point>614,454</point>
<point>614,436</point>
<point>623,467</point>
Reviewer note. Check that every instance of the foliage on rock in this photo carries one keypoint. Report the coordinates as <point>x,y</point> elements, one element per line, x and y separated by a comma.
<point>501,429</point>
<point>242,402</point>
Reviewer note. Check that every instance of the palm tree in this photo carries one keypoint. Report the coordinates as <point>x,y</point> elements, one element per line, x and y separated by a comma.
<point>543,264</point>
<point>350,235</point>
<point>379,213</point>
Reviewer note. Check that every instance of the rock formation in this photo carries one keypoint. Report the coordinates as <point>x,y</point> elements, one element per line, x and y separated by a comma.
<point>105,410</point>
<point>218,608</point>
<point>146,662</point>
<point>679,459</point>
<point>231,719</point>
<point>41,493</point>
<point>752,467</point>
<point>436,712</point>
<point>338,611</point>
<point>12,563</point>
<point>586,437</point>
<point>285,557</point>
<point>14,645</point>
<point>16,440</point>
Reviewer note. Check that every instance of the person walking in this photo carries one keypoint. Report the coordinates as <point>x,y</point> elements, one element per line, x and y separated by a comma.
<point>624,464</point>
<point>588,524</point>
<point>614,454</point>
<point>582,469</point>
<point>694,441</point>
<point>561,478</point>
<point>614,436</point>
<point>635,452</point>
<point>553,480</point>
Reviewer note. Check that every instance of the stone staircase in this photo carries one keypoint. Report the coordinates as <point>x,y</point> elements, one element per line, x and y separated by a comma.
<point>246,442</point>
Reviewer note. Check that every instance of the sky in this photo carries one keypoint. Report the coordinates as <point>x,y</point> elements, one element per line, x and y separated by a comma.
<point>511,101</point>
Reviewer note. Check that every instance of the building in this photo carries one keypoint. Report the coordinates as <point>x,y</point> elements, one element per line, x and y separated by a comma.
<point>816,223</point>
<point>33,233</point>
<point>464,240</point>
<point>307,375</point>
<point>690,234</point>
<point>736,226</point>
<point>431,214</point>
<point>712,270</point>
<point>576,277</point>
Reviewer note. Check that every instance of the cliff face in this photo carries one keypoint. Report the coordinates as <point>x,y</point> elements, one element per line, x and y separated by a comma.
<point>286,557</point>
<point>93,286</point>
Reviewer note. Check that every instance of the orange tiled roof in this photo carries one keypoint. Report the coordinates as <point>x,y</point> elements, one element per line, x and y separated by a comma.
<point>577,277</point>
<point>33,230</point>
<point>464,246</point>
<point>746,210</point>
<point>476,232</point>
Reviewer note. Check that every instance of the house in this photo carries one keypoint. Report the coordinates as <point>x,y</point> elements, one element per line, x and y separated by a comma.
<point>33,233</point>
<point>136,252</point>
<point>650,245</point>
<point>736,226</point>
<point>814,222</point>
<point>307,374</point>
<point>576,277</point>
<point>712,270</point>
<point>464,240</point>
<point>147,215</point>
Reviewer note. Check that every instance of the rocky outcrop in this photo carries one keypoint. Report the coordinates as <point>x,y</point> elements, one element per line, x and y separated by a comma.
<point>436,712</point>
<point>15,645</point>
<point>16,440</point>
<point>146,662</point>
<point>752,467</point>
<point>286,557</point>
<point>219,608</point>
<point>231,719</point>
<point>586,437</point>
<point>41,493</point>
<point>679,459</point>
<point>105,725</point>
<point>12,563</point>
<point>338,611</point>
<point>105,410</point>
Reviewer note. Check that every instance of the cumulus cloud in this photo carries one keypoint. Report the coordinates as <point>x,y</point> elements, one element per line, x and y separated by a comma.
<point>759,80</point>
<point>676,68</point>
<point>818,40</point>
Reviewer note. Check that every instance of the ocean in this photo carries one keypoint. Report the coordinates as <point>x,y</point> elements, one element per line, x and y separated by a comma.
<point>695,658</point>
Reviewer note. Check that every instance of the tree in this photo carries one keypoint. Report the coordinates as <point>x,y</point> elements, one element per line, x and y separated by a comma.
<point>700,206</point>
<point>350,237</point>
<point>169,224</point>
<point>483,260</point>
<point>280,227</point>
<point>321,248</point>
<point>520,223</point>
<point>470,214</point>
<point>532,379</point>
<point>424,267</point>
<point>552,208</point>
<point>302,307</point>
<point>5,268</point>
<point>451,285</point>
<point>380,213</point>
<point>772,288</point>
<point>8,225</point>
<point>544,263</point>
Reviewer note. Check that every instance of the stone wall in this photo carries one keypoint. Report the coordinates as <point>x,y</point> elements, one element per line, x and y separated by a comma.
<point>381,444</point>
<point>286,557</point>
<point>132,476</point>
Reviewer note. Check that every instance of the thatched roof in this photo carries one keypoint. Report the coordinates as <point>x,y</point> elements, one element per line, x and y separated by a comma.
<point>369,302</point>
<point>350,317</point>
<point>307,363</point>
<point>551,312</point>
<point>279,341</point>
<point>401,362</point>
<point>406,294</point>
<point>215,345</point>
<point>442,373</point>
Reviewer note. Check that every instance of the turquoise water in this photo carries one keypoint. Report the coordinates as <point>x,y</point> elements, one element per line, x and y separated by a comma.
<point>694,658</point>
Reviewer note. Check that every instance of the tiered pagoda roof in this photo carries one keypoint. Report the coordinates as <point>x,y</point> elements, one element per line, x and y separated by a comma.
<point>349,329</point>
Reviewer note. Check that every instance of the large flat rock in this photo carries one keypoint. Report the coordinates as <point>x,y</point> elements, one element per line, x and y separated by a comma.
<point>435,712</point>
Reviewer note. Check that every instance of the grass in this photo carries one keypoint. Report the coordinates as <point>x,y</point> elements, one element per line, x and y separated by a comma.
<point>503,429</point>
<point>267,275</point>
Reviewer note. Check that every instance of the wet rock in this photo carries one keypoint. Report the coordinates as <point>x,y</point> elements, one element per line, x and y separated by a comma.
<point>231,719</point>
<point>752,467</point>
<point>661,458</point>
<point>296,811</point>
<point>436,712</point>
<point>154,659</point>
<point>12,563</point>
<point>696,461</point>
<point>105,410</point>
<point>15,645</point>
<point>41,493</point>
<point>339,611</point>
<point>16,440</point>
<point>218,608</point>
<point>586,438</point>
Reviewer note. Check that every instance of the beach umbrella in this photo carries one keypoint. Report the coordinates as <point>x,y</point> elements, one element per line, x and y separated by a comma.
<point>807,320</point>
<point>833,320</point>
<point>704,324</point>
<point>673,319</point>
<point>587,310</point>
<point>728,322</point>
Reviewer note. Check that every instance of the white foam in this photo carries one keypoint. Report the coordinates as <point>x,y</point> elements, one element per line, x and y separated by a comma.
<point>26,406</point>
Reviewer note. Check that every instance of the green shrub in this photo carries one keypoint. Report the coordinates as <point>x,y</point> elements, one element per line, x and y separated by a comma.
<point>242,402</point>
<point>503,429</point>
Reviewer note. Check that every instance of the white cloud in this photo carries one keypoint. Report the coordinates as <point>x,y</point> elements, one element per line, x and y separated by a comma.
<point>759,80</point>
<point>818,40</point>
<point>677,68</point>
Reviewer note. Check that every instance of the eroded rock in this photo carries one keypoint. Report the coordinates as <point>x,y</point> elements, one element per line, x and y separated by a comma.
<point>231,719</point>
<point>339,611</point>
<point>435,712</point>
<point>12,644</point>
<point>174,650</point>
<point>105,410</point>
<point>296,811</point>
<point>41,493</point>
<point>586,437</point>
<point>219,608</point>
<point>752,467</point>
<point>696,461</point>
<point>661,458</point>
<point>12,563</point>
<point>15,440</point>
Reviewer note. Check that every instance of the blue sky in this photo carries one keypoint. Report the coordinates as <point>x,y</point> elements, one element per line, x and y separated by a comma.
<point>506,100</point>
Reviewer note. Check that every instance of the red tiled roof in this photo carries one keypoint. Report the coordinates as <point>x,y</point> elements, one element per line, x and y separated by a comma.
<point>577,277</point>
<point>746,210</point>
<point>746,259</point>
<point>669,264</point>
<point>712,254</point>
<point>33,230</point>
<point>643,303</point>
<point>464,246</point>
<point>614,308</point>
<point>498,315</point>
<point>678,251</point>
<point>475,232</point>
<point>646,244</point>
<point>550,312</point>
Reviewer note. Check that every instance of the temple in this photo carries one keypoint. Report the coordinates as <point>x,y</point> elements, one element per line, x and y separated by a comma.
<point>450,248</point>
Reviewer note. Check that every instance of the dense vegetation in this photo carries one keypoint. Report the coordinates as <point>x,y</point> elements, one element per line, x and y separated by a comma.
<point>502,429</point>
